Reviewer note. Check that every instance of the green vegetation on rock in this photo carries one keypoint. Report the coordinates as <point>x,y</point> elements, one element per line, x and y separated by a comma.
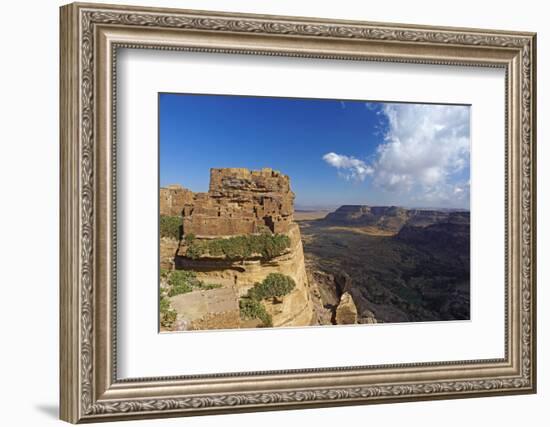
<point>274,285</point>
<point>182,282</point>
<point>177,282</point>
<point>240,247</point>
<point>171,226</point>
<point>167,313</point>
<point>253,309</point>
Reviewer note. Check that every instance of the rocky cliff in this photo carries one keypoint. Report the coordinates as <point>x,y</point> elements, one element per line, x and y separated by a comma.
<point>391,218</point>
<point>383,217</point>
<point>241,208</point>
<point>294,309</point>
<point>396,264</point>
<point>451,231</point>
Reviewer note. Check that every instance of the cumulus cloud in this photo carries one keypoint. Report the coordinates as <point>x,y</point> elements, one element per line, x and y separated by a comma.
<point>424,147</point>
<point>423,156</point>
<point>348,166</point>
<point>445,194</point>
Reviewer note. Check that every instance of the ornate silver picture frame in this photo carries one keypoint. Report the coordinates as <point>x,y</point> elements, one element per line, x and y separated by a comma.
<point>91,37</point>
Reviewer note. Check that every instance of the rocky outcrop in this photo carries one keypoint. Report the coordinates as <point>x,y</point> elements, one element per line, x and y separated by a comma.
<point>323,295</point>
<point>367,317</point>
<point>209,309</point>
<point>240,201</point>
<point>294,309</point>
<point>453,232</point>
<point>420,271</point>
<point>335,299</point>
<point>173,198</point>
<point>391,218</point>
<point>423,218</point>
<point>168,249</point>
<point>346,312</point>
<point>383,217</point>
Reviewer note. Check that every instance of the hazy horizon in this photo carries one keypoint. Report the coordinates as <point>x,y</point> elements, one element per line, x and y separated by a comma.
<point>335,152</point>
<point>333,207</point>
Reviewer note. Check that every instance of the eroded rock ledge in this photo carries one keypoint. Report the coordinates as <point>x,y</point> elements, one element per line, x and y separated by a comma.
<point>239,203</point>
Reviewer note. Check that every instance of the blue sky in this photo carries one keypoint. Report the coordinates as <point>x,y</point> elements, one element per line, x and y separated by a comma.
<point>335,152</point>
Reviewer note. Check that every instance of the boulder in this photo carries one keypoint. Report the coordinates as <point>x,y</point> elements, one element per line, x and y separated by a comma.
<point>346,312</point>
<point>208,309</point>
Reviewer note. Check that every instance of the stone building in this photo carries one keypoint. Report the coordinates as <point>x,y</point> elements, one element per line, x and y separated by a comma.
<point>172,199</point>
<point>240,201</point>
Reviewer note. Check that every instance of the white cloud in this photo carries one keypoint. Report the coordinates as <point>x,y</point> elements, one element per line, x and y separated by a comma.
<point>446,194</point>
<point>425,145</point>
<point>349,167</point>
<point>425,149</point>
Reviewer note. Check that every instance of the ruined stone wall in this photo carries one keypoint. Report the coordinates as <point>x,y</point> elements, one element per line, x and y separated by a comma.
<point>240,201</point>
<point>173,198</point>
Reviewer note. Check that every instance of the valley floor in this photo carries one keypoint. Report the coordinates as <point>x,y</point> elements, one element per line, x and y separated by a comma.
<point>391,279</point>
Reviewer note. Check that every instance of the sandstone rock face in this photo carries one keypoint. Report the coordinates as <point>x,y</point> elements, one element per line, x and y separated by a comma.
<point>295,309</point>
<point>168,249</point>
<point>211,309</point>
<point>173,198</point>
<point>323,294</point>
<point>240,201</point>
<point>346,312</point>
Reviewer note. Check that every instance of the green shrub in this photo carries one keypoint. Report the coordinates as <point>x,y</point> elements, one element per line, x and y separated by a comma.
<point>182,282</point>
<point>274,285</point>
<point>189,238</point>
<point>252,309</point>
<point>195,250</point>
<point>208,286</point>
<point>167,314</point>
<point>240,247</point>
<point>273,245</point>
<point>171,226</point>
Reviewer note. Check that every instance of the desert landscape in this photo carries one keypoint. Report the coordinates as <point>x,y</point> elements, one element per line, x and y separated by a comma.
<point>295,212</point>
<point>240,256</point>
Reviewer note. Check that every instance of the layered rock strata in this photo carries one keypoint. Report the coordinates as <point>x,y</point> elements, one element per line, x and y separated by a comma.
<point>294,309</point>
<point>239,202</point>
<point>392,218</point>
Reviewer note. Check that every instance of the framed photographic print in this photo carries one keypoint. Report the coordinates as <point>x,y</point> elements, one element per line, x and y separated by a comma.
<point>265,212</point>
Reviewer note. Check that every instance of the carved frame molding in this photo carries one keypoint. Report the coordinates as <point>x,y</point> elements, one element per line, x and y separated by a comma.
<point>90,36</point>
